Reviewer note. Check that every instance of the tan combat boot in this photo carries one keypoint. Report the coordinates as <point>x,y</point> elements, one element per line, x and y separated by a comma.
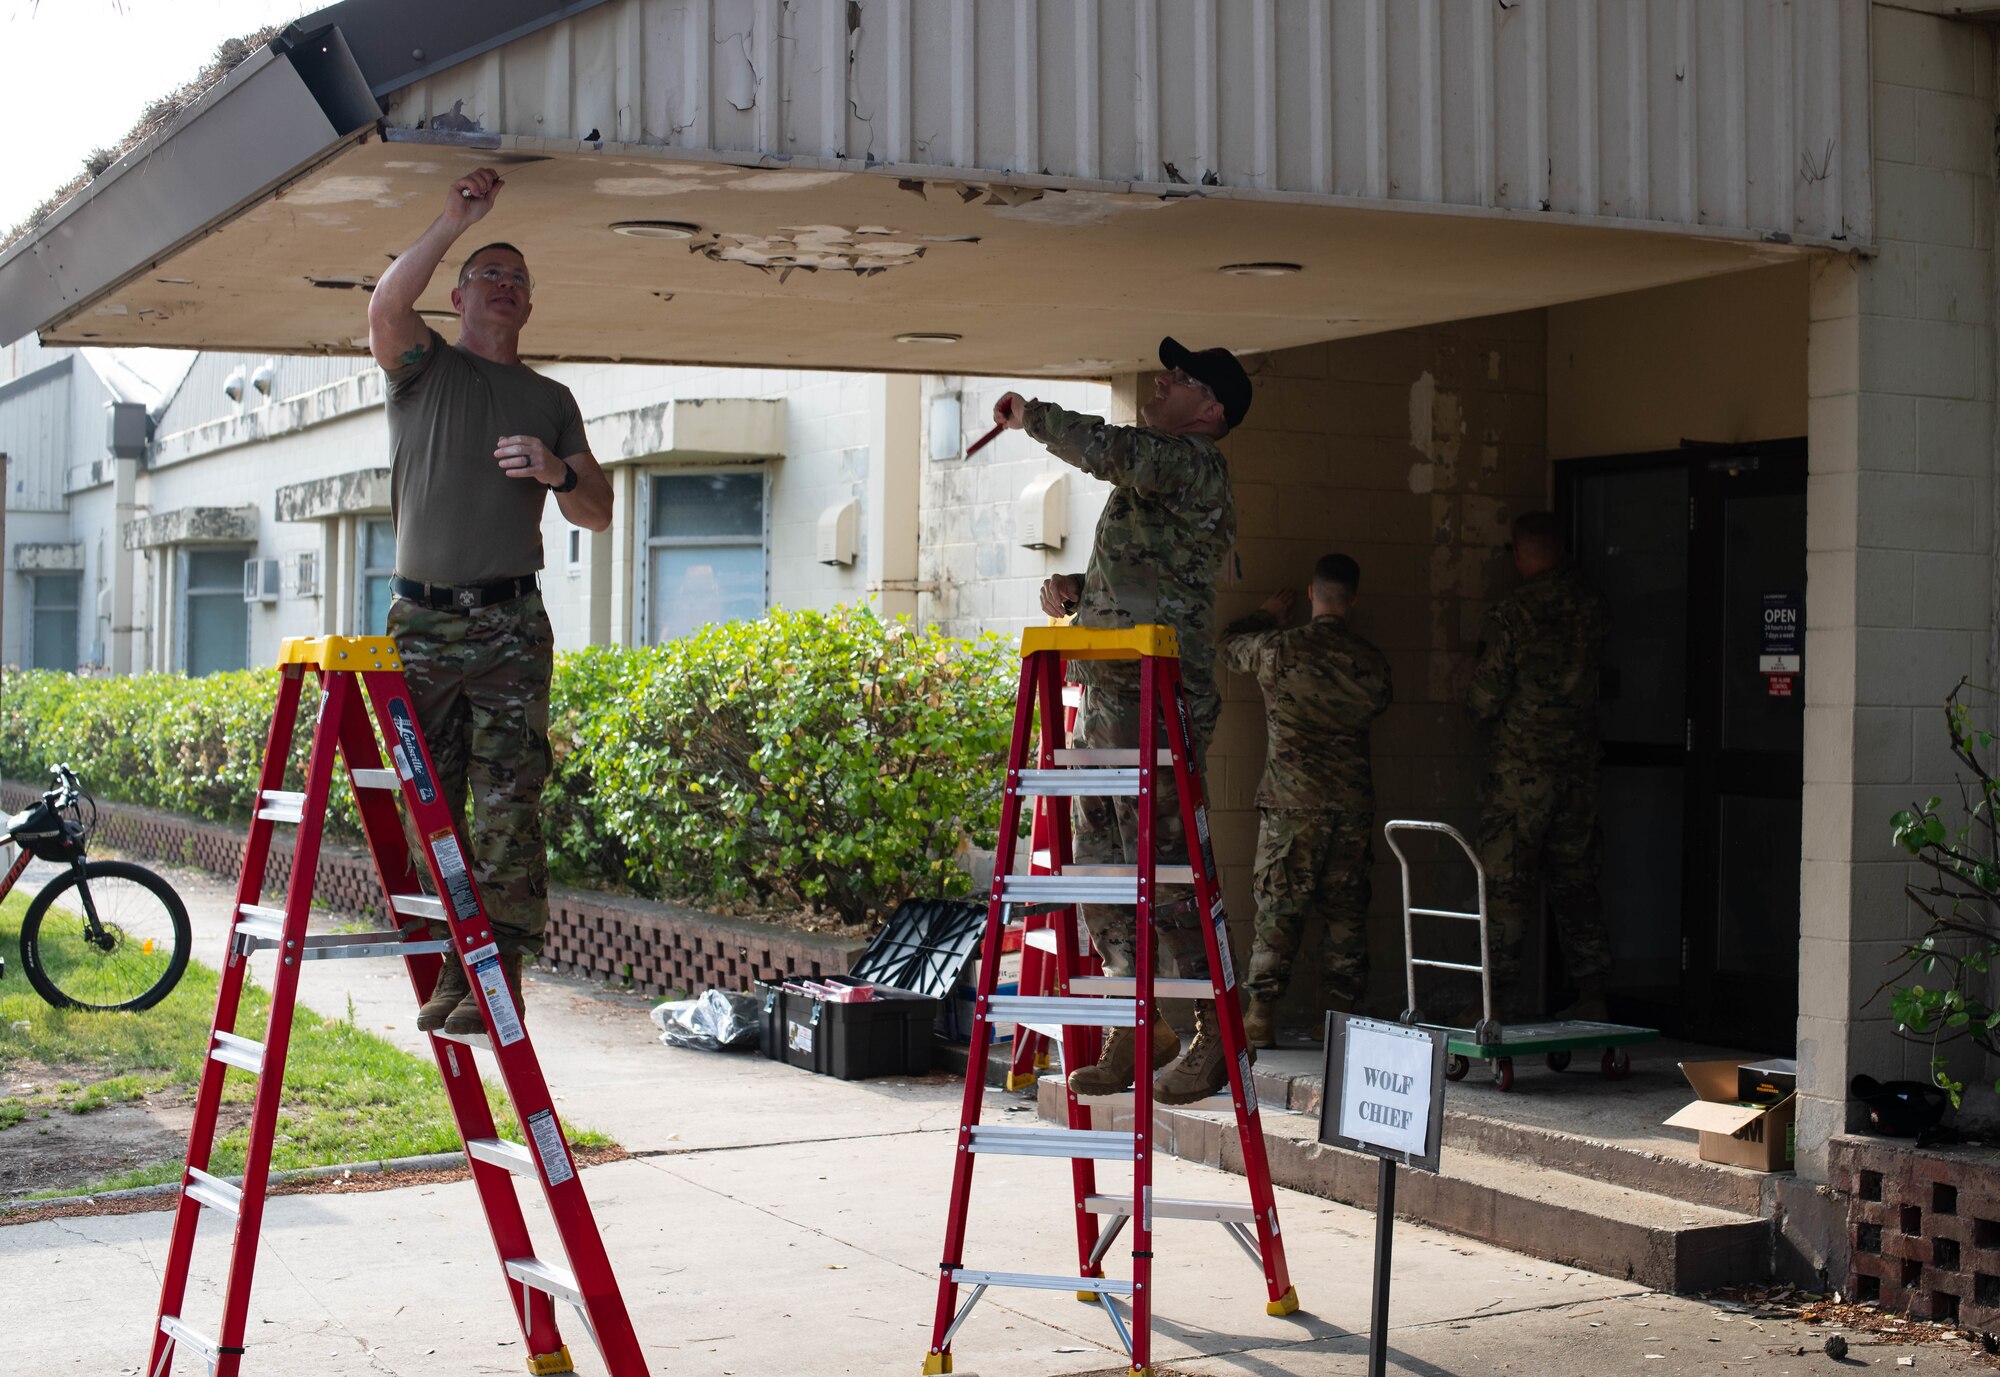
<point>466,1018</point>
<point>1203,1069</point>
<point>451,987</point>
<point>1117,1063</point>
<point>1260,1022</point>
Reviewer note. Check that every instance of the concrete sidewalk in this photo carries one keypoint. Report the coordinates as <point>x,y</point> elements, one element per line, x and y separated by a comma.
<point>777,1222</point>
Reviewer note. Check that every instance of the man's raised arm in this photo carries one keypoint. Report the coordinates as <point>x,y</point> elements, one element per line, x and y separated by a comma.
<point>397,335</point>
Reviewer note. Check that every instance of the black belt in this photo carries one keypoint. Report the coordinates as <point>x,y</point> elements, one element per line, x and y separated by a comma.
<point>462,597</point>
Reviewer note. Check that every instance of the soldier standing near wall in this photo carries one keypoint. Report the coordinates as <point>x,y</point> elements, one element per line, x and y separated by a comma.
<point>1535,685</point>
<point>479,441</point>
<point>1167,526</point>
<point>1323,686</point>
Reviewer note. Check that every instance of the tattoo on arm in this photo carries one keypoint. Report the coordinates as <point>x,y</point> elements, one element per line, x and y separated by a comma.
<point>414,354</point>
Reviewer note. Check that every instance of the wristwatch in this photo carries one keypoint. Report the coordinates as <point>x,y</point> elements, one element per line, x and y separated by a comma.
<point>569,478</point>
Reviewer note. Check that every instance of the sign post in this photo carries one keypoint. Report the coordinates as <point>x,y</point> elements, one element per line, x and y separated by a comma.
<point>1384,1096</point>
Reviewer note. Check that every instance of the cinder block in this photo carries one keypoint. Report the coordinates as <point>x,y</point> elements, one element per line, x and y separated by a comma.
<point>1926,358</point>
<point>1924,205</point>
<point>1954,437</point>
<point>1833,356</point>
<point>1884,583</point>
<point>1880,745</point>
<point>1952,590</point>
<point>1911,668</point>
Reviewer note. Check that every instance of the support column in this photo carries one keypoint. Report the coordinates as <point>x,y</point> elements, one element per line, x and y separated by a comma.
<point>892,506</point>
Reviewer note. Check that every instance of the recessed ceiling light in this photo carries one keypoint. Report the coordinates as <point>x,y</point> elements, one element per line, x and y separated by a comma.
<point>1260,269</point>
<point>927,337</point>
<point>656,229</point>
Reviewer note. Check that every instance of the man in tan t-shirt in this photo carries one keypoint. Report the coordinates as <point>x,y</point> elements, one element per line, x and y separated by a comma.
<point>478,441</point>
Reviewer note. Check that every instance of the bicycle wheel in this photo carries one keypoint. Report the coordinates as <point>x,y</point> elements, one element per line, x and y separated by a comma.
<point>136,955</point>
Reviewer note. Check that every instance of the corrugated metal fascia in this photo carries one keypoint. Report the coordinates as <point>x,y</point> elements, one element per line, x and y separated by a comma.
<point>395,42</point>
<point>270,121</point>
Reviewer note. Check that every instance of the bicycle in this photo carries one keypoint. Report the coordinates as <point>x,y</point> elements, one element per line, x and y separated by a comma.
<point>104,934</point>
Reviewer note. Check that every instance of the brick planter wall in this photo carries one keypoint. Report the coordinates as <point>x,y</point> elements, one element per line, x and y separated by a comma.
<point>1923,1228</point>
<point>608,937</point>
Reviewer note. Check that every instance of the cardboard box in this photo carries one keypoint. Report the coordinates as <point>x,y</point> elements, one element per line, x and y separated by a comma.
<point>1768,1081</point>
<point>1758,1136</point>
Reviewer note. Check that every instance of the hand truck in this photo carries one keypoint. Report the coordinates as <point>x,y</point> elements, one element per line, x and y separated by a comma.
<point>1487,1040</point>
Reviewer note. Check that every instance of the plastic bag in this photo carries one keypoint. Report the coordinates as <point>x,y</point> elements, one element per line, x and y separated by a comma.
<point>717,1020</point>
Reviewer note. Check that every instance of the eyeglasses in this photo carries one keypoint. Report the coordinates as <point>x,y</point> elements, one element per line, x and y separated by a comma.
<point>493,274</point>
<point>1178,378</point>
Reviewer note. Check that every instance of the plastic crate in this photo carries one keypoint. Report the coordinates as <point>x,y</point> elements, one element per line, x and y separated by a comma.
<point>889,1035</point>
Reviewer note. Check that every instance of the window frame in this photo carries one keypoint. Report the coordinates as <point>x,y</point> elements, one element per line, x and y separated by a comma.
<point>646,542</point>
<point>184,595</point>
<point>359,609</point>
<point>36,583</point>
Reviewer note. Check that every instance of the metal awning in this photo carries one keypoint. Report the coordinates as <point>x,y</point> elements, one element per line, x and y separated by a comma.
<point>260,219</point>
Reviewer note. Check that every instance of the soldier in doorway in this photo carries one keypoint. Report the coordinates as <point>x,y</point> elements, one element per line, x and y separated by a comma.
<point>1323,686</point>
<point>1535,685</point>
<point>1168,524</point>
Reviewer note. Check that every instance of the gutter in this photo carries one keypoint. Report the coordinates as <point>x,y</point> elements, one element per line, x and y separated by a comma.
<point>278,115</point>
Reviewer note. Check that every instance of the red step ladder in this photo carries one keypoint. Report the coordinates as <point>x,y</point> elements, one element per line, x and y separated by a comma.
<point>356,675</point>
<point>1092,1003</point>
<point>1035,937</point>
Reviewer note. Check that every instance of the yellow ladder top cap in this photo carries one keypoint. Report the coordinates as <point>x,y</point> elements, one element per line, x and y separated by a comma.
<point>1103,643</point>
<point>341,652</point>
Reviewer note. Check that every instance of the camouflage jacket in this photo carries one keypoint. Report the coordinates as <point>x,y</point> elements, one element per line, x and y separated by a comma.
<point>1323,686</point>
<point>1166,528</point>
<point>1535,681</point>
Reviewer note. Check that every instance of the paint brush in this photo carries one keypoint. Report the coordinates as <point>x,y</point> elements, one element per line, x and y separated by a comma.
<point>983,441</point>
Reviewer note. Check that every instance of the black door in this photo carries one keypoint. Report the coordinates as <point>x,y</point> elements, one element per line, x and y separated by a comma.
<point>1702,555</point>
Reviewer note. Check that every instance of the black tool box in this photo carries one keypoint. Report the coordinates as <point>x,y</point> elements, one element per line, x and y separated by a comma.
<point>888,1034</point>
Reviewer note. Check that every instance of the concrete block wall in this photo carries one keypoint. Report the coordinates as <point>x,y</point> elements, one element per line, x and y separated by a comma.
<point>1899,601</point>
<point>1923,1229</point>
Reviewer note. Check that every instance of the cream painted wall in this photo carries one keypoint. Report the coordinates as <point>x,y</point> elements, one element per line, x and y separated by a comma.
<point>1722,359</point>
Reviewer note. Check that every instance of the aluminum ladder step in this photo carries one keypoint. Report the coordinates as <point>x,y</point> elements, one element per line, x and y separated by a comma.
<point>186,1337</point>
<point>501,1153</point>
<point>482,1041</point>
<point>281,805</point>
<point>1129,986</point>
<point>1167,1207</point>
<point>242,1053</point>
<point>1103,1286</point>
<point>547,1278</point>
<point>213,1192</point>
<point>1010,1141</point>
<point>1086,757</point>
<point>418,906</point>
<point>1126,1102</point>
<point>375,779</point>
<point>260,931</point>
<point>1056,1011</point>
<point>1072,783</point>
<point>1076,886</point>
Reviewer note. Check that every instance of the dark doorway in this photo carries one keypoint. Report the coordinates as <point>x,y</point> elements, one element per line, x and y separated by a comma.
<point>1702,553</point>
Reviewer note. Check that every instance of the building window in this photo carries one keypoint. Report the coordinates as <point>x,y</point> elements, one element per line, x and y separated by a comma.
<point>375,562</point>
<point>215,621</point>
<point>52,621</point>
<point>705,551</point>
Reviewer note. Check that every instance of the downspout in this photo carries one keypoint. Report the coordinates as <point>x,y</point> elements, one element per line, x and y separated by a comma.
<point>894,499</point>
<point>128,432</point>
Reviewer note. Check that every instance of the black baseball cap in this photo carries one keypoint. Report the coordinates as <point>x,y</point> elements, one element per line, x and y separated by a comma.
<point>1218,369</point>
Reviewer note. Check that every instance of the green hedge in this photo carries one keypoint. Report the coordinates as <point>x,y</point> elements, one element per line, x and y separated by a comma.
<point>824,758</point>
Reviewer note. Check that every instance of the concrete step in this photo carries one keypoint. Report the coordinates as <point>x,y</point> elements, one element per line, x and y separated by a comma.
<point>1526,1205</point>
<point>1684,1178</point>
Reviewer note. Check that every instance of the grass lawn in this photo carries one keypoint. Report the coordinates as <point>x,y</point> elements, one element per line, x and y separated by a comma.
<point>349,1095</point>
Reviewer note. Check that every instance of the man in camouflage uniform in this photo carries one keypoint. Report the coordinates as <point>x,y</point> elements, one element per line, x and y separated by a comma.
<point>1535,685</point>
<point>479,440</point>
<point>1168,524</point>
<point>1323,686</point>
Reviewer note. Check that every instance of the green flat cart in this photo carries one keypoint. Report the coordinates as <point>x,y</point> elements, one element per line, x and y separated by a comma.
<point>1556,1041</point>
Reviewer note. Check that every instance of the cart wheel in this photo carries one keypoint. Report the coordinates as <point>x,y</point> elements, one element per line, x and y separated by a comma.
<point>1455,1067</point>
<point>1503,1074</point>
<point>1558,1061</point>
<point>1412,1017</point>
<point>1617,1064</point>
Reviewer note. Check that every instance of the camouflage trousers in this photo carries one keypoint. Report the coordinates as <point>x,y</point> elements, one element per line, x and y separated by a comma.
<point>1538,826</point>
<point>479,681</point>
<point>1312,865</point>
<point>1106,832</point>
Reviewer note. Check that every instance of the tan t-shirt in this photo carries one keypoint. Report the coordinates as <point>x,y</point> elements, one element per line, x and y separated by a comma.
<point>459,518</point>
